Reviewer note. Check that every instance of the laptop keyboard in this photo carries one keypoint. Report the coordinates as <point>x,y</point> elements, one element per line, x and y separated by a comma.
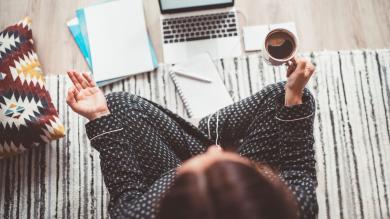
<point>202,27</point>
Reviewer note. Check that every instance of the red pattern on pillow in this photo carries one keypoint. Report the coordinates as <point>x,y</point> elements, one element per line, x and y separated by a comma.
<point>27,115</point>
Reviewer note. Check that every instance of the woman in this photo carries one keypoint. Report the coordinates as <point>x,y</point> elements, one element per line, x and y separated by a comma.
<point>157,165</point>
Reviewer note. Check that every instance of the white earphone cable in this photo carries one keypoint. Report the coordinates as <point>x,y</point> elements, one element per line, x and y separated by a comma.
<point>208,126</point>
<point>216,129</point>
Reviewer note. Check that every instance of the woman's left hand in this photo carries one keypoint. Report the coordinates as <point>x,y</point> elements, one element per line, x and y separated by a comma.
<point>85,98</point>
<point>298,74</point>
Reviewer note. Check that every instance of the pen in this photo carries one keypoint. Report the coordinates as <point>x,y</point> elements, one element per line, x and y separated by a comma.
<point>192,75</point>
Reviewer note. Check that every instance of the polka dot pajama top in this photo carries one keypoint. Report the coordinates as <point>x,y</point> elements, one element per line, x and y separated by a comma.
<point>141,144</point>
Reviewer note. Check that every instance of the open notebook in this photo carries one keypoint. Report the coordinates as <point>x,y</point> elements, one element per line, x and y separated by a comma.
<point>199,97</point>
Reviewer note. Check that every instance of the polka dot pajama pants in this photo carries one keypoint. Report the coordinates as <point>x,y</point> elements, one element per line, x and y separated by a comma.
<point>141,144</point>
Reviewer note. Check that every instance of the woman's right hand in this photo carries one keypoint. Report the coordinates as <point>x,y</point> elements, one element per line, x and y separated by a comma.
<point>85,98</point>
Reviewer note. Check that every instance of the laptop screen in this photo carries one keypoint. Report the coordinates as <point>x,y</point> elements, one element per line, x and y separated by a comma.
<point>175,6</point>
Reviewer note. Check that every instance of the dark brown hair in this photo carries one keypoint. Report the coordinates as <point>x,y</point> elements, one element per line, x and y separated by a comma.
<point>228,190</point>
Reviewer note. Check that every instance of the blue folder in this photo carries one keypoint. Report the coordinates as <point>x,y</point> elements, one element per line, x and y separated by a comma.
<point>75,29</point>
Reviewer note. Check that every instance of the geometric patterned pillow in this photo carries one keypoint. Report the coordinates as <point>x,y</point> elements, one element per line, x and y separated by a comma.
<point>27,116</point>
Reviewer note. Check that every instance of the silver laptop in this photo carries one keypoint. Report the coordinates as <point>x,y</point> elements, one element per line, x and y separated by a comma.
<point>189,28</point>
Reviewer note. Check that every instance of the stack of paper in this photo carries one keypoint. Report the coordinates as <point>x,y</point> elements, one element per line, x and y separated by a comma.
<point>113,39</point>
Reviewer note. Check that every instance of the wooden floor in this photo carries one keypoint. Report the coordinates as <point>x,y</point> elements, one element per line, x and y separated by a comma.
<point>322,24</point>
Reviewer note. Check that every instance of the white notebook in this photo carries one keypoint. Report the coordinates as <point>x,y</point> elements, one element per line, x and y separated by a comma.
<point>199,97</point>
<point>118,39</point>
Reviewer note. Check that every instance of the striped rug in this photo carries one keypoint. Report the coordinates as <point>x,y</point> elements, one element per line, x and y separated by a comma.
<point>352,130</point>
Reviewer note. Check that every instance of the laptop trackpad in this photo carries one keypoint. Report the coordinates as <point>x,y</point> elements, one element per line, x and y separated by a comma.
<point>216,48</point>
<point>206,46</point>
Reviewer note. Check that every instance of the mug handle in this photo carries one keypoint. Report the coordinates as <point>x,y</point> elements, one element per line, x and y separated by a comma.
<point>291,65</point>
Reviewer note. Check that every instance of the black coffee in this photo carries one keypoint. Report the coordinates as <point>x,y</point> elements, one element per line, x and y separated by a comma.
<point>280,45</point>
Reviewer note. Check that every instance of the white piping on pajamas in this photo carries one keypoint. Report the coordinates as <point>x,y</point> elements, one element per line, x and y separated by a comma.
<point>117,130</point>
<point>292,120</point>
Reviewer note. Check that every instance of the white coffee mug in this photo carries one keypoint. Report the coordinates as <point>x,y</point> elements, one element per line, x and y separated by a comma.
<point>276,61</point>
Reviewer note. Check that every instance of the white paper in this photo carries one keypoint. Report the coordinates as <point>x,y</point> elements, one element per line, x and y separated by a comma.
<point>254,37</point>
<point>118,39</point>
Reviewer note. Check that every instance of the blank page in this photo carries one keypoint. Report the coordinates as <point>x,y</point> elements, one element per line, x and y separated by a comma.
<point>118,39</point>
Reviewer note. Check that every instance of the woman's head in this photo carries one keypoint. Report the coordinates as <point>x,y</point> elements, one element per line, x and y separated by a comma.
<point>224,185</point>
